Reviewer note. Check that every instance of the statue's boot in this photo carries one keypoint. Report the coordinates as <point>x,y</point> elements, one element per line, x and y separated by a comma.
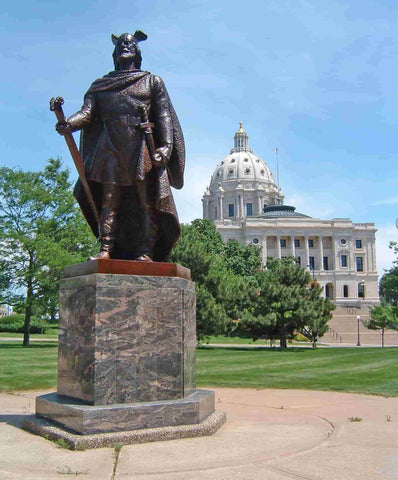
<point>107,231</point>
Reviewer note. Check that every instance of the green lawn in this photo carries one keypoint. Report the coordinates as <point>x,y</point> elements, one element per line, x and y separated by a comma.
<point>235,340</point>
<point>27,368</point>
<point>362,370</point>
<point>52,334</point>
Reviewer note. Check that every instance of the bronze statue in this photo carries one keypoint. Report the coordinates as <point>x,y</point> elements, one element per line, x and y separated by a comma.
<point>133,151</point>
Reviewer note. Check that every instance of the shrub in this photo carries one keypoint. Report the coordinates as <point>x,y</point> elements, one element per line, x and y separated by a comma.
<point>15,324</point>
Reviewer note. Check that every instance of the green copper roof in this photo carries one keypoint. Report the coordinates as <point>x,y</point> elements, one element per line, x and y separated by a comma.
<point>281,211</point>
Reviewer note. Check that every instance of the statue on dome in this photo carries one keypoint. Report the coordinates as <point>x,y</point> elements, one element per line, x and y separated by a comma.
<point>133,151</point>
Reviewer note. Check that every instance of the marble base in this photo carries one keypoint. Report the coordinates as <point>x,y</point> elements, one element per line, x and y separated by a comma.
<point>51,432</point>
<point>126,338</point>
<point>88,419</point>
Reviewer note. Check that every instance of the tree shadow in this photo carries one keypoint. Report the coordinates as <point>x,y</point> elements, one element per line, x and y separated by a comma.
<point>15,345</point>
<point>255,348</point>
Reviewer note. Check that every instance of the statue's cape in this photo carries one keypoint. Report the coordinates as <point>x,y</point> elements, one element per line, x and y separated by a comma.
<point>172,175</point>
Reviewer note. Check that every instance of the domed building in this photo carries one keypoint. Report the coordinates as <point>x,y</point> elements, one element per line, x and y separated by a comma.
<point>246,205</point>
<point>241,185</point>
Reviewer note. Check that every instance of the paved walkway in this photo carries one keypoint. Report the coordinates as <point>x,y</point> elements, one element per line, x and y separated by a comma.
<point>269,435</point>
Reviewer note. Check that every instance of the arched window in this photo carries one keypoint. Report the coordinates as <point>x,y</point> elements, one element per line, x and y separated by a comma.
<point>327,292</point>
<point>345,291</point>
<point>361,290</point>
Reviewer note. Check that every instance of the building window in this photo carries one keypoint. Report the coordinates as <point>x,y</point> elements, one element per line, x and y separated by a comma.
<point>298,260</point>
<point>344,260</point>
<point>343,241</point>
<point>246,160</point>
<point>231,210</point>
<point>283,243</point>
<point>358,243</point>
<point>297,243</point>
<point>312,263</point>
<point>233,160</point>
<point>361,290</point>
<point>255,241</point>
<point>249,209</point>
<point>326,263</point>
<point>345,291</point>
<point>359,261</point>
<point>247,171</point>
<point>310,242</point>
<point>230,172</point>
<point>327,291</point>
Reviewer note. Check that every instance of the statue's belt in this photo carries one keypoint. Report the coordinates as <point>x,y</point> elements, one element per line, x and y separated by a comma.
<point>127,120</point>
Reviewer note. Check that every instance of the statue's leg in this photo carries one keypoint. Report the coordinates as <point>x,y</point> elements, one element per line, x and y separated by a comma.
<point>109,218</point>
<point>148,233</point>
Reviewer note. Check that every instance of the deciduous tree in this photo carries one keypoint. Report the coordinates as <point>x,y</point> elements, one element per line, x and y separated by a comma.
<point>382,318</point>
<point>41,231</point>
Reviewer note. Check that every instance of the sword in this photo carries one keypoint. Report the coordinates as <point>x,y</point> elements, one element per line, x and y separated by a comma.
<point>56,107</point>
<point>147,127</point>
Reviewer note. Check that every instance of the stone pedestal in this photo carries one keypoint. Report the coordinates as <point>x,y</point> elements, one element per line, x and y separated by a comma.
<point>126,350</point>
<point>126,338</point>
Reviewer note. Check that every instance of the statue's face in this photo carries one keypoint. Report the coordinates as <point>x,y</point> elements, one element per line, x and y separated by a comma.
<point>125,47</point>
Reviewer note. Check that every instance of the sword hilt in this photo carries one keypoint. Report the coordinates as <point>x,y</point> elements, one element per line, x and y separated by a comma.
<point>56,107</point>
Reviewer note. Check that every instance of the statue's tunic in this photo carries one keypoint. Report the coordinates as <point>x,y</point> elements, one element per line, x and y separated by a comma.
<point>114,150</point>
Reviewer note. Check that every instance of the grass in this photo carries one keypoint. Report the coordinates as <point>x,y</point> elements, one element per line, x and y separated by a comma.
<point>361,370</point>
<point>240,340</point>
<point>25,368</point>
<point>51,333</point>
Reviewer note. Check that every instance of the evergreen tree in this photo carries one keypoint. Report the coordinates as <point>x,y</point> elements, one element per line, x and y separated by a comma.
<point>319,312</point>
<point>285,303</point>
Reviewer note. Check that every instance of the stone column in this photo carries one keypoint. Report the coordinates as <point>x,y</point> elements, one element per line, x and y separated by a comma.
<point>374,267</point>
<point>264,251</point>
<point>307,253</point>
<point>293,247</point>
<point>243,213</point>
<point>278,246</point>
<point>221,207</point>
<point>352,265</point>
<point>336,262</point>
<point>320,240</point>
<point>259,204</point>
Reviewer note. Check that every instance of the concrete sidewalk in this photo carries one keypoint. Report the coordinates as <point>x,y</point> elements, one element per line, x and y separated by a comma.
<point>269,434</point>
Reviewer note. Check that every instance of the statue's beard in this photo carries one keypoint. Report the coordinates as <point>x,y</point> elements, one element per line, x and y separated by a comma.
<point>129,60</point>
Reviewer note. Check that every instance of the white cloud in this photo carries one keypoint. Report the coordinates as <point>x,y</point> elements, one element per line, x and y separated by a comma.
<point>386,201</point>
<point>197,177</point>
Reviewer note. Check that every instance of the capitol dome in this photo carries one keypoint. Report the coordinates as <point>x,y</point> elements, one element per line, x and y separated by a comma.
<point>242,165</point>
<point>242,184</point>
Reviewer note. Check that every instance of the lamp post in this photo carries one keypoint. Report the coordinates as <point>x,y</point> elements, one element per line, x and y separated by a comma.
<point>358,320</point>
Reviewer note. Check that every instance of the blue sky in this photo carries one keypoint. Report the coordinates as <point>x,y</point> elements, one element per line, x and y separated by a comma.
<point>316,79</point>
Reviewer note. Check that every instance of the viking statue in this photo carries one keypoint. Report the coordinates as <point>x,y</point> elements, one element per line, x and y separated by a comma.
<point>133,150</point>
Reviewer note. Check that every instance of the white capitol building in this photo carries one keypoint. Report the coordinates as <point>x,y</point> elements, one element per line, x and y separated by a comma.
<point>246,205</point>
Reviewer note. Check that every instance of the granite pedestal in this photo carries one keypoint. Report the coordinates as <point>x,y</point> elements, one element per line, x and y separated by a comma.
<point>126,350</point>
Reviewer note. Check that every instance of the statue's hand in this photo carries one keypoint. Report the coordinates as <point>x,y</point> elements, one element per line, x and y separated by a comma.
<point>161,156</point>
<point>63,128</point>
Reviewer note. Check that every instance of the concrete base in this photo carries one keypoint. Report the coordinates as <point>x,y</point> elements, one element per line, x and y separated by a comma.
<point>49,431</point>
<point>89,419</point>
